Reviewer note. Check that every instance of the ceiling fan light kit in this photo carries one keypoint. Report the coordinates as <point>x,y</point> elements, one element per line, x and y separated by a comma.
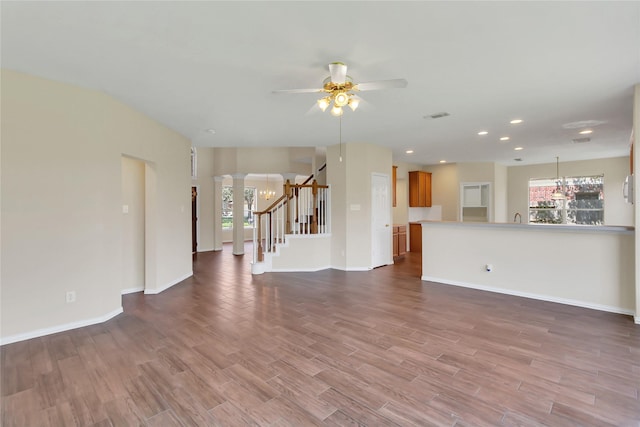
<point>340,89</point>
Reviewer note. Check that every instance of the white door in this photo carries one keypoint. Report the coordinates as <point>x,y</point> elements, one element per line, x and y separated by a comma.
<point>380,220</point>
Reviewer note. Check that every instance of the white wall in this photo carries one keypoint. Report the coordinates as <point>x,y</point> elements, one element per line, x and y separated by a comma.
<point>616,211</point>
<point>62,204</point>
<point>585,267</point>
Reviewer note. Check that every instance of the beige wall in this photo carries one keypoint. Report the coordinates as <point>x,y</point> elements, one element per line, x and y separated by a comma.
<point>205,184</point>
<point>445,189</point>
<point>133,223</point>
<point>616,211</point>
<point>350,182</point>
<point>594,269</point>
<point>62,150</point>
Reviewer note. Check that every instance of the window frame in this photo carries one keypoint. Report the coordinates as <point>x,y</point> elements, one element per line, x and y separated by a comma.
<point>567,211</point>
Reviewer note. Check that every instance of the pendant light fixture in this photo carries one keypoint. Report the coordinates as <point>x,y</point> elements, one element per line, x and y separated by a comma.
<point>268,193</point>
<point>558,194</point>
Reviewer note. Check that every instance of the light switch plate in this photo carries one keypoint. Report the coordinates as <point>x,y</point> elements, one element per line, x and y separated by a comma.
<point>125,208</point>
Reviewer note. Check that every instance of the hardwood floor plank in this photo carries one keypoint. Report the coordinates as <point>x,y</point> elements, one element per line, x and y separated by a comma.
<point>369,348</point>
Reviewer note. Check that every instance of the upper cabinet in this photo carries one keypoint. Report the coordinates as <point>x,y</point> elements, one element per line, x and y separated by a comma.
<point>419,189</point>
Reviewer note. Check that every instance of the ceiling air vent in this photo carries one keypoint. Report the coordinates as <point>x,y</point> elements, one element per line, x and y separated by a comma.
<point>581,140</point>
<point>437,115</point>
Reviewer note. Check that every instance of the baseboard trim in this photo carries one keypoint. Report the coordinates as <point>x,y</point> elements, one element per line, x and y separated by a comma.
<point>352,268</point>
<point>59,328</point>
<point>636,320</point>
<point>168,285</point>
<point>548,298</point>
<point>132,290</point>
<point>298,270</point>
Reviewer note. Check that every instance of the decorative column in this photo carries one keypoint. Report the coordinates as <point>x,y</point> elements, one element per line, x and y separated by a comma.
<point>238,213</point>
<point>217,213</point>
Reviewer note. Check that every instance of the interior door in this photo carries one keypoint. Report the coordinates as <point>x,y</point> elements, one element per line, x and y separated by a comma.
<point>380,220</point>
<point>194,220</point>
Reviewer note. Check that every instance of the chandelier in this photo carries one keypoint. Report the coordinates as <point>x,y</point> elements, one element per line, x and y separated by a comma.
<point>267,194</point>
<point>339,96</point>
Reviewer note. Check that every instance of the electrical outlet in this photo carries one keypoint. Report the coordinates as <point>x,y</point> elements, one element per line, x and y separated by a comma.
<point>71,296</point>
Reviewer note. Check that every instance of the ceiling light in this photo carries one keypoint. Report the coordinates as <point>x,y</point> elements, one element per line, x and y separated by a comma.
<point>336,111</point>
<point>353,103</point>
<point>504,138</point>
<point>583,124</point>
<point>409,151</point>
<point>323,103</point>
<point>558,194</point>
<point>516,121</point>
<point>519,148</point>
<point>443,161</point>
<point>585,132</point>
<point>483,132</point>
<point>341,99</point>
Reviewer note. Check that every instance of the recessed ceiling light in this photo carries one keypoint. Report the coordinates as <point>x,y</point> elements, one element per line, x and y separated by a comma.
<point>504,138</point>
<point>585,132</point>
<point>211,130</point>
<point>409,151</point>
<point>443,161</point>
<point>516,121</point>
<point>483,132</point>
<point>519,148</point>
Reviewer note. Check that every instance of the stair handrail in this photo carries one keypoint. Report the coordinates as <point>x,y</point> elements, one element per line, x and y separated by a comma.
<point>309,203</point>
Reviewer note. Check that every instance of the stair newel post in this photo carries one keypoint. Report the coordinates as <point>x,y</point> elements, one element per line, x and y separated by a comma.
<point>314,217</point>
<point>260,253</point>
<point>288,190</point>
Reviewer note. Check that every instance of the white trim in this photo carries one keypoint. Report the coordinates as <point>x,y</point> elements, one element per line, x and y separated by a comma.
<point>577,303</point>
<point>168,285</point>
<point>353,269</point>
<point>298,270</point>
<point>60,328</point>
<point>132,290</point>
<point>636,320</point>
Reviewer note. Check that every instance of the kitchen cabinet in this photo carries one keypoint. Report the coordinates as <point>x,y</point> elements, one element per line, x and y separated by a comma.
<point>419,189</point>
<point>415,237</point>
<point>399,240</point>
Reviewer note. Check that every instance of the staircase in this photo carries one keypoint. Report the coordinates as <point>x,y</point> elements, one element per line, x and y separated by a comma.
<point>300,217</point>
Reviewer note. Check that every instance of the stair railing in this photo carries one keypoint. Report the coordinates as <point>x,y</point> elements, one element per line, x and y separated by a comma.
<point>303,209</point>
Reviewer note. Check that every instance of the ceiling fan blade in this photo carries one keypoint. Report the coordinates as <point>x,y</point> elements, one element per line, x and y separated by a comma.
<point>381,84</point>
<point>298,91</point>
<point>338,72</point>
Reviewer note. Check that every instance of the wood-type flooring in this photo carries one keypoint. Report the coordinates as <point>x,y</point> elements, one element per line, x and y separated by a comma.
<point>376,348</point>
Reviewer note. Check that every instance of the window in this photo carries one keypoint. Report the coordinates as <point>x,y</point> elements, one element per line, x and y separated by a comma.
<point>249,202</point>
<point>584,202</point>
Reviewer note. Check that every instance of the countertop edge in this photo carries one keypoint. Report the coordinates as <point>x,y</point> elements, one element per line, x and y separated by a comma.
<point>535,227</point>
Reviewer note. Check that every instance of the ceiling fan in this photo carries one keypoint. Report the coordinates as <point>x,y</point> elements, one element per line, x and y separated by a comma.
<point>340,89</point>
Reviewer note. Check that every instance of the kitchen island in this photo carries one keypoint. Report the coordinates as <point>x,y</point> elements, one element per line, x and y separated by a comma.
<point>587,266</point>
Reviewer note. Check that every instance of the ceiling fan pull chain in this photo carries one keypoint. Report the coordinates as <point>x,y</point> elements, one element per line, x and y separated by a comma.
<point>340,118</point>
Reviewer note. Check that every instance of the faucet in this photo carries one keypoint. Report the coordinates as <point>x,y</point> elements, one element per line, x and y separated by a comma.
<point>517,216</point>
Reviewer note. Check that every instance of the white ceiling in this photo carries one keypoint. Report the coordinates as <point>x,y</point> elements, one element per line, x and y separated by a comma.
<point>213,65</point>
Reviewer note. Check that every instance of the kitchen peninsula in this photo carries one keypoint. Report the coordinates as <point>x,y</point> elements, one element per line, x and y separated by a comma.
<point>587,266</point>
